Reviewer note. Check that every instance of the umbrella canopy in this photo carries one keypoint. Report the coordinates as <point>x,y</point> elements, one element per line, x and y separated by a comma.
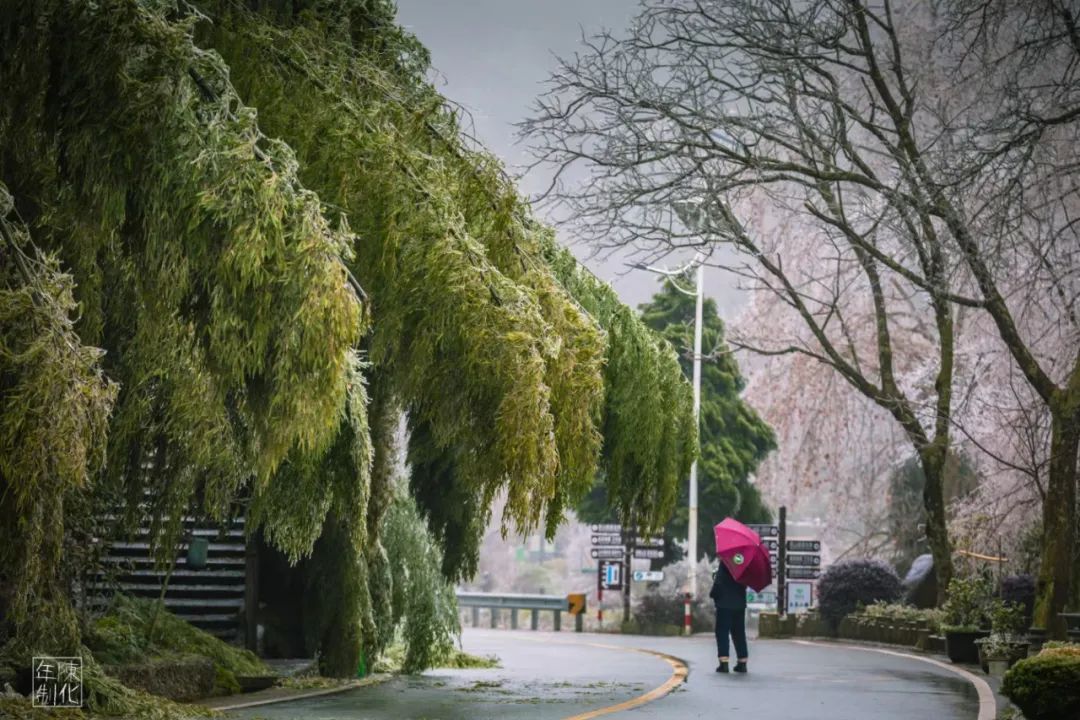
<point>742,551</point>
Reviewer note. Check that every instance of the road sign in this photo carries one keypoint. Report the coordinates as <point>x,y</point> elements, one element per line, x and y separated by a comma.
<point>606,540</point>
<point>606,553</point>
<point>803,573</point>
<point>804,545</point>
<point>648,553</point>
<point>772,545</point>
<point>606,528</point>
<point>611,575</point>
<point>576,601</point>
<point>804,560</point>
<point>800,595</point>
<point>648,575</point>
<point>765,531</point>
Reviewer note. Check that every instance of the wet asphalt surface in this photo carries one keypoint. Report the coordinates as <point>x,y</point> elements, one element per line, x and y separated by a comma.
<point>549,675</point>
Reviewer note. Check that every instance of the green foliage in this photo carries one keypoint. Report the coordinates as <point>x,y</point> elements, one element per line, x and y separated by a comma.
<point>931,617</point>
<point>393,660</point>
<point>968,604</point>
<point>426,602</point>
<point>54,406</point>
<point>1047,686</point>
<point>648,422</point>
<point>122,635</point>
<point>1007,619</point>
<point>492,360</point>
<point>203,266</point>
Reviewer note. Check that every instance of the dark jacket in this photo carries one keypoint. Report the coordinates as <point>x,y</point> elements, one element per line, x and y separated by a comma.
<point>726,592</point>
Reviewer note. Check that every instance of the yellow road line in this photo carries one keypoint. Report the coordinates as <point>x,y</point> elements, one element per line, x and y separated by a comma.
<point>987,704</point>
<point>679,671</point>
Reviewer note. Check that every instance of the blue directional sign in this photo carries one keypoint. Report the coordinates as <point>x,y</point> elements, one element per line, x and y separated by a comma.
<point>611,575</point>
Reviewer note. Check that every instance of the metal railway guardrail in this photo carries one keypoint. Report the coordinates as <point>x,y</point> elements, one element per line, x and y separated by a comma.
<point>515,602</point>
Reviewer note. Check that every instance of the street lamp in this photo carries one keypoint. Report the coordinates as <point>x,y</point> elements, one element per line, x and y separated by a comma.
<point>698,263</point>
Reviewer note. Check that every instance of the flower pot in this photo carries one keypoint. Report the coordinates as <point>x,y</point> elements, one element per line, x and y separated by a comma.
<point>960,645</point>
<point>998,666</point>
<point>1036,636</point>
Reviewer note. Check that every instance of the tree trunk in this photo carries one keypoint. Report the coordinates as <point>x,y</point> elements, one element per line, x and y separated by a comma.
<point>1059,522</point>
<point>937,533</point>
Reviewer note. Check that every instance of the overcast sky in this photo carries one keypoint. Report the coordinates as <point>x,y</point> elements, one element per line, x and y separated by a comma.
<point>492,57</point>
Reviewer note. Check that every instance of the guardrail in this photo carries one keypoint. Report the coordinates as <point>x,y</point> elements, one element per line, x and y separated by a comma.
<point>514,602</point>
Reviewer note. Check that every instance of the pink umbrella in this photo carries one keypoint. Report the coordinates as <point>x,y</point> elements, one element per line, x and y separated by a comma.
<point>742,551</point>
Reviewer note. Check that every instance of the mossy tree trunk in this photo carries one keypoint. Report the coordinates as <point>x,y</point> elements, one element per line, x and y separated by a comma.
<point>1059,519</point>
<point>933,460</point>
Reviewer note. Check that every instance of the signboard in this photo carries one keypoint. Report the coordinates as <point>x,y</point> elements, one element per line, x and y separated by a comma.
<point>804,560</point>
<point>606,540</point>
<point>648,575</point>
<point>765,531</point>
<point>611,575</point>
<point>648,553</point>
<point>804,546</point>
<point>650,542</point>
<point>803,573</point>
<point>772,545</point>
<point>606,528</point>
<point>800,596</point>
<point>606,553</point>
<point>576,601</point>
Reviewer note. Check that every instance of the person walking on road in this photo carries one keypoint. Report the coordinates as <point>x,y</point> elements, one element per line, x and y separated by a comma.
<point>729,596</point>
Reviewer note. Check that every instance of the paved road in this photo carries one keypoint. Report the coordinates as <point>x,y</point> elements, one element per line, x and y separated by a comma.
<point>546,675</point>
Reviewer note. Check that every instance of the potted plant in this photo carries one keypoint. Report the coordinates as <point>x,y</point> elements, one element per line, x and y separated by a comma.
<point>964,615</point>
<point>1006,645</point>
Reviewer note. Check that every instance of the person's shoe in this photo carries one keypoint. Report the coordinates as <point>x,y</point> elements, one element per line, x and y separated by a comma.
<point>722,667</point>
<point>740,667</point>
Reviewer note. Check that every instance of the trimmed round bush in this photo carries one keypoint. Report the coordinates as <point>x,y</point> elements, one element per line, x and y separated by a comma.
<point>1047,686</point>
<point>851,584</point>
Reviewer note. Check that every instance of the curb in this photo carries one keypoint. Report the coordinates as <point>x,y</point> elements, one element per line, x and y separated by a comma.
<point>987,702</point>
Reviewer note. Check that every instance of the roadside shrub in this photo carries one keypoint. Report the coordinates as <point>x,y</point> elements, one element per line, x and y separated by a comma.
<point>1020,590</point>
<point>849,585</point>
<point>1047,686</point>
<point>969,604</point>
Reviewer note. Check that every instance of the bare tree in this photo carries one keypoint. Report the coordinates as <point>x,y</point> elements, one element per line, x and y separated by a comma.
<point>898,144</point>
<point>723,122</point>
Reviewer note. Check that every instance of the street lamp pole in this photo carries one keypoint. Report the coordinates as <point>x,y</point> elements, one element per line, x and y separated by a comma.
<point>692,524</point>
<point>693,520</point>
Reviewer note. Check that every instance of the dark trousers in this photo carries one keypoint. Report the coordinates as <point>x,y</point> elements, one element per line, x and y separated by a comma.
<point>731,623</point>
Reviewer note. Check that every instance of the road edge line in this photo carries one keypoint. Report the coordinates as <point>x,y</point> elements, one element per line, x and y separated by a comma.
<point>987,702</point>
<point>679,672</point>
